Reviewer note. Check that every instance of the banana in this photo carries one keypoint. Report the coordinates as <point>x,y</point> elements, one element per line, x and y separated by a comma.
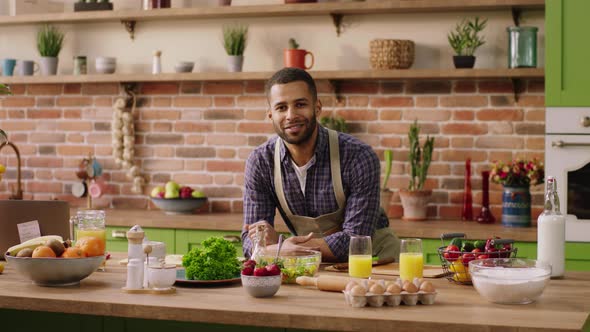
<point>32,243</point>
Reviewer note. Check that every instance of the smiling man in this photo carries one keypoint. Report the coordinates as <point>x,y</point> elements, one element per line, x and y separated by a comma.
<point>325,184</point>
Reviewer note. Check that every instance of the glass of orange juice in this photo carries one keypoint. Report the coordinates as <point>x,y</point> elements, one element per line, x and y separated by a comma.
<point>91,223</point>
<point>359,256</point>
<point>411,259</point>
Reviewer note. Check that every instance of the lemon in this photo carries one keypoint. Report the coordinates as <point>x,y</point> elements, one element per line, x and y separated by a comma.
<point>1,267</point>
<point>462,277</point>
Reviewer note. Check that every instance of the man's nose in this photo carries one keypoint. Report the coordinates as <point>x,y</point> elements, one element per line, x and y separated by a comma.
<point>291,112</point>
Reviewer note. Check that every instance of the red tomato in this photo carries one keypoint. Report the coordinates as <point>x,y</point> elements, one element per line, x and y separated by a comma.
<point>493,253</point>
<point>476,250</point>
<point>451,253</point>
<point>467,258</point>
<point>483,257</point>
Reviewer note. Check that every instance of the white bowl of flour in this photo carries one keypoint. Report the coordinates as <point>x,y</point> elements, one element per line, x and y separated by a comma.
<point>509,280</point>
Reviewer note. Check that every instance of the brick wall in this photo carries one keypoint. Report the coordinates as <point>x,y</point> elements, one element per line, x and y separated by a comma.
<point>200,134</point>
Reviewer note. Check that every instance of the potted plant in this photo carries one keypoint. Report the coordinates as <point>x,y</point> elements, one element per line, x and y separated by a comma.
<point>386,193</point>
<point>234,42</point>
<point>295,57</point>
<point>465,40</point>
<point>88,5</point>
<point>415,199</point>
<point>49,43</point>
<point>335,123</point>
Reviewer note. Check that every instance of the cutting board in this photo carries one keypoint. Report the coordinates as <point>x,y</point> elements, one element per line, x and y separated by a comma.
<point>392,269</point>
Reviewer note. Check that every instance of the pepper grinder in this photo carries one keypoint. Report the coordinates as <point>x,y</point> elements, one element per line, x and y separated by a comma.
<point>467,213</point>
<point>157,63</point>
<point>485,216</point>
<point>135,257</point>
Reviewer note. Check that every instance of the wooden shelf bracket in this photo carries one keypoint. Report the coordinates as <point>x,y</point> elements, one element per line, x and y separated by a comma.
<point>517,87</point>
<point>336,88</point>
<point>129,27</point>
<point>337,20</point>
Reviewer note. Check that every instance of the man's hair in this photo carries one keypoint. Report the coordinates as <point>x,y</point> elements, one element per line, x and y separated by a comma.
<point>288,75</point>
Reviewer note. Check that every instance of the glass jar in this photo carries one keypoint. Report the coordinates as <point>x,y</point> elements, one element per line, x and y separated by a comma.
<point>153,4</point>
<point>90,223</point>
<point>522,47</point>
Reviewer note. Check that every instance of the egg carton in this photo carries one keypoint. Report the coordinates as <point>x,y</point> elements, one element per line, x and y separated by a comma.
<point>393,300</point>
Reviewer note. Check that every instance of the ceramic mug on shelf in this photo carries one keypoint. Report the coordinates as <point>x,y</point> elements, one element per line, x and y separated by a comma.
<point>28,67</point>
<point>8,67</point>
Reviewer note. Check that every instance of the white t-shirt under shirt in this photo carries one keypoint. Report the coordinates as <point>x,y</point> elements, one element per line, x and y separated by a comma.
<point>302,172</point>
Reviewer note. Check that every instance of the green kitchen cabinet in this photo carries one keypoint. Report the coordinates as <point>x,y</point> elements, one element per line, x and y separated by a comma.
<point>567,69</point>
<point>186,239</point>
<point>117,241</point>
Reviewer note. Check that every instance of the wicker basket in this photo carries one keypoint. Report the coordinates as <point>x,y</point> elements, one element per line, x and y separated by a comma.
<point>391,53</point>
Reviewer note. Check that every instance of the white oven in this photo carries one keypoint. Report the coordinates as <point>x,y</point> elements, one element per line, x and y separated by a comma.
<point>567,157</point>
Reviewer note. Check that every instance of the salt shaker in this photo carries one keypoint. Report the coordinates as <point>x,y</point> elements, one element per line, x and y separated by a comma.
<point>134,274</point>
<point>157,63</point>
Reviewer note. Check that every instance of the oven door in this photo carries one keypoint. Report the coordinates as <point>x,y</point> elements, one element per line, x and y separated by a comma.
<point>568,159</point>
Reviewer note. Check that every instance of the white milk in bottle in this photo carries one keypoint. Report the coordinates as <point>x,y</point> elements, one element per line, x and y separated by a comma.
<point>551,232</point>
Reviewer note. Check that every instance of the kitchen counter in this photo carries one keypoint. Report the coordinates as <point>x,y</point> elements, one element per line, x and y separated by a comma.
<point>233,222</point>
<point>563,306</point>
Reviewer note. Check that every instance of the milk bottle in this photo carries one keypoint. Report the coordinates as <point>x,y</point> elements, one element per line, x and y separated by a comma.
<point>551,232</point>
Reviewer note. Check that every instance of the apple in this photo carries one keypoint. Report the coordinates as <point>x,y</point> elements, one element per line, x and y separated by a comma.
<point>198,194</point>
<point>172,186</point>
<point>261,272</point>
<point>156,191</point>
<point>171,194</point>
<point>273,269</point>
<point>185,192</point>
<point>248,271</point>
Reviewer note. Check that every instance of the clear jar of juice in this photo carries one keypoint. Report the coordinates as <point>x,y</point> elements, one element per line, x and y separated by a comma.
<point>91,223</point>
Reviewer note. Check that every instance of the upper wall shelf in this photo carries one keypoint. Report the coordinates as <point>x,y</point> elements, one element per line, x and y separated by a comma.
<point>406,74</point>
<point>329,8</point>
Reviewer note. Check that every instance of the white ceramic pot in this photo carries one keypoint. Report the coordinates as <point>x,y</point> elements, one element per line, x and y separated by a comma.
<point>105,65</point>
<point>161,276</point>
<point>48,65</point>
<point>184,67</point>
<point>235,63</point>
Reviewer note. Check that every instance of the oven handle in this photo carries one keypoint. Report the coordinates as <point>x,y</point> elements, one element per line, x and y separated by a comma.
<point>562,144</point>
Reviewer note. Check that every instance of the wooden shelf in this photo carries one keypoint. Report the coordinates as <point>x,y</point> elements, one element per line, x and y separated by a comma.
<point>333,8</point>
<point>406,74</point>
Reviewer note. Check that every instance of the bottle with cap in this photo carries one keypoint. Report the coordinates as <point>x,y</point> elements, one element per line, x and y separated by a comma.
<point>136,257</point>
<point>551,232</point>
<point>134,274</point>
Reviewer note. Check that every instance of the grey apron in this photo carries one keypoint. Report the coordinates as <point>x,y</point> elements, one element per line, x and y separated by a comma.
<point>385,243</point>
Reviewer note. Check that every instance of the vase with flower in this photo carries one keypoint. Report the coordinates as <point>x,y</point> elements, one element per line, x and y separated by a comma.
<point>517,176</point>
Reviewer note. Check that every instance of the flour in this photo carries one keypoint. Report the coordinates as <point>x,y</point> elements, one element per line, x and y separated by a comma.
<point>510,285</point>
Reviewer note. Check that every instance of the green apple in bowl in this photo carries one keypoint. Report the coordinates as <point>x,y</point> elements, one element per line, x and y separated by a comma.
<point>158,192</point>
<point>198,194</point>
<point>171,190</point>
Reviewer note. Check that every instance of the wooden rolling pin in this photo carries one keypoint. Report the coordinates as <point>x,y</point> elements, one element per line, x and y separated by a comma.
<point>325,283</point>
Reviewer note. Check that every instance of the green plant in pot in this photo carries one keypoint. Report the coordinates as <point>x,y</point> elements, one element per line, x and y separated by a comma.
<point>234,41</point>
<point>49,43</point>
<point>415,199</point>
<point>335,123</point>
<point>295,57</point>
<point>386,193</point>
<point>465,40</point>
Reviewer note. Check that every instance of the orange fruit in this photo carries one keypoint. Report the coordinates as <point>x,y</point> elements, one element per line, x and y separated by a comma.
<point>43,251</point>
<point>73,253</point>
<point>91,246</point>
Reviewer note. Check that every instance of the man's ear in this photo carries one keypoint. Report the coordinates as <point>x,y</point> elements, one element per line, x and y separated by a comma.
<point>269,114</point>
<point>318,108</point>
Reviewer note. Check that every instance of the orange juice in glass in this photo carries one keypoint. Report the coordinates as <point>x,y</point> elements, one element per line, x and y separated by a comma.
<point>360,262</point>
<point>411,259</point>
<point>91,223</point>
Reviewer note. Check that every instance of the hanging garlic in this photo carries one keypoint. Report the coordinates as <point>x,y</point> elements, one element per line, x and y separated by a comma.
<point>123,142</point>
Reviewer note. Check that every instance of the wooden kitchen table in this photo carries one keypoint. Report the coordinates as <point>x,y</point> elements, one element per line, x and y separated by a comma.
<point>565,305</point>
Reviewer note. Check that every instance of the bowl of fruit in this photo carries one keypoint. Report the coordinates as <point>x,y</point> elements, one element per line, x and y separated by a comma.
<point>49,261</point>
<point>294,263</point>
<point>176,199</point>
<point>261,280</point>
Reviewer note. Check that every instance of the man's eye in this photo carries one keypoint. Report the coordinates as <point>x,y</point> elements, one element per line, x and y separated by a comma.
<point>281,108</point>
<point>300,105</point>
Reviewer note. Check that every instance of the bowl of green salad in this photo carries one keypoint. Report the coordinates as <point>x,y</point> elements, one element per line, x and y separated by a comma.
<point>295,263</point>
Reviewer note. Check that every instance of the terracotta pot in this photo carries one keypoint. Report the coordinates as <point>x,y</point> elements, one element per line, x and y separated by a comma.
<point>415,204</point>
<point>385,200</point>
<point>296,58</point>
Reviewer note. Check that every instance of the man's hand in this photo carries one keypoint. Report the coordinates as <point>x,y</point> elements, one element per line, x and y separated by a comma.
<point>301,242</point>
<point>272,237</point>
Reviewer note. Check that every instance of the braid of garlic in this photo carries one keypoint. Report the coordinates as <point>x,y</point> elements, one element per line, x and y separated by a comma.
<point>123,139</point>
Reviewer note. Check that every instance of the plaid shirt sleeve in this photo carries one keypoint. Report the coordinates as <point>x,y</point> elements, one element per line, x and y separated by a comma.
<point>259,203</point>
<point>362,203</point>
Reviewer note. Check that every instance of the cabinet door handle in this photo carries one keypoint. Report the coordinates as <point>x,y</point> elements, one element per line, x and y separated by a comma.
<point>562,144</point>
<point>232,238</point>
<point>119,234</point>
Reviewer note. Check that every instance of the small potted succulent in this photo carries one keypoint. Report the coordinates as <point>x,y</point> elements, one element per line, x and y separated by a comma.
<point>88,5</point>
<point>415,199</point>
<point>234,42</point>
<point>49,42</point>
<point>465,40</point>
<point>295,57</point>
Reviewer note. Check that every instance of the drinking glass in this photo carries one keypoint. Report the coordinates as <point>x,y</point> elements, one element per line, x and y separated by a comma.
<point>359,256</point>
<point>411,260</point>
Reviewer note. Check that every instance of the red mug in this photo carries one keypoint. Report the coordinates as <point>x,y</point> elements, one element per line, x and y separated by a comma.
<point>296,58</point>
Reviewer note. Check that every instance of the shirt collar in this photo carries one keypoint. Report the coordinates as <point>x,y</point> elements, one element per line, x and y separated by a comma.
<point>321,146</point>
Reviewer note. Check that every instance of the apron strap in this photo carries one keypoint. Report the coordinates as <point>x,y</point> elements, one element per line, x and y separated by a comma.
<point>278,179</point>
<point>335,168</point>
